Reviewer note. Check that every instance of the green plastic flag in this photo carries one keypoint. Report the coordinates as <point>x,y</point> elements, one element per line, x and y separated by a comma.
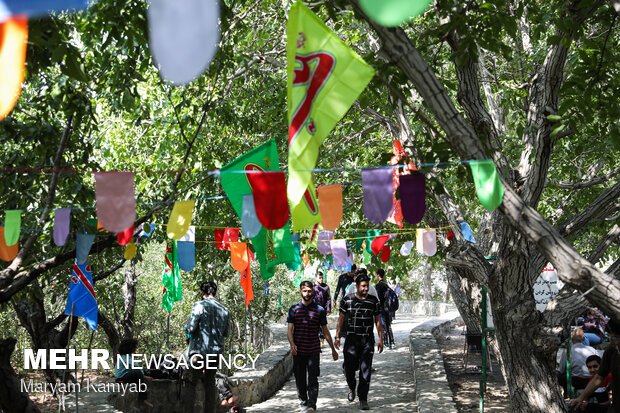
<point>171,278</point>
<point>325,77</point>
<point>12,226</point>
<point>367,257</point>
<point>371,234</point>
<point>271,247</point>
<point>392,13</point>
<point>488,186</point>
<point>299,275</point>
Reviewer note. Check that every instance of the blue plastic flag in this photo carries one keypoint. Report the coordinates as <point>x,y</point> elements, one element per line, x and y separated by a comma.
<point>82,295</point>
<point>468,234</point>
<point>35,8</point>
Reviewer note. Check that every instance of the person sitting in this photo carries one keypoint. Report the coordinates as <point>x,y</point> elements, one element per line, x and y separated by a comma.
<point>225,394</point>
<point>579,353</point>
<point>599,403</point>
<point>127,372</point>
<point>594,327</point>
<point>610,364</point>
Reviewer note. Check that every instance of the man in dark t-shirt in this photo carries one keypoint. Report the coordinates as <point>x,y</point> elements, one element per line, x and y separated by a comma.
<point>344,280</point>
<point>305,319</point>
<point>609,365</point>
<point>361,311</point>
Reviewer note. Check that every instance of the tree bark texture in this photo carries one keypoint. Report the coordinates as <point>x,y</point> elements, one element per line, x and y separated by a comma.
<point>12,399</point>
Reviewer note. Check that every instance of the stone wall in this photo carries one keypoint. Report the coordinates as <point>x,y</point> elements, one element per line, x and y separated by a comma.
<point>421,307</point>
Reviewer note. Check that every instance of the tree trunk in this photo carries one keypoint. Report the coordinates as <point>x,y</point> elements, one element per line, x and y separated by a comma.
<point>467,298</point>
<point>12,399</point>
<point>129,299</point>
<point>427,283</point>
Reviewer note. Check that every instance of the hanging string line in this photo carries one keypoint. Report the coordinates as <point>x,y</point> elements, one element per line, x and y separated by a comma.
<point>218,171</point>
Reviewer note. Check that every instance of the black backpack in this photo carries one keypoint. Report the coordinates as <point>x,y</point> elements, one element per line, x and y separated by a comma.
<point>391,301</point>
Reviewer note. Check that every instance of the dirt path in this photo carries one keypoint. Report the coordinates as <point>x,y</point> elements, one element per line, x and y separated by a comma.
<point>464,383</point>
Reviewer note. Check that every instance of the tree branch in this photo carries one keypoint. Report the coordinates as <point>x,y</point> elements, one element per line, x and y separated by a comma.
<point>580,185</point>
<point>598,252</point>
<point>596,208</point>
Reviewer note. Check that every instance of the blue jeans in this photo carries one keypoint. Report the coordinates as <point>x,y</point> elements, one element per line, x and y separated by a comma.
<point>591,339</point>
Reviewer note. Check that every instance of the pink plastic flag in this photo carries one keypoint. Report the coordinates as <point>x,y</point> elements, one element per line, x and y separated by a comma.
<point>339,249</point>
<point>62,225</point>
<point>378,189</point>
<point>116,202</point>
<point>413,197</point>
<point>323,243</point>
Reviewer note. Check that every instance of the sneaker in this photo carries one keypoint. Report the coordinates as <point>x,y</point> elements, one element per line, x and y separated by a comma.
<point>393,346</point>
<point>364,405</point>
<point>351,395</point>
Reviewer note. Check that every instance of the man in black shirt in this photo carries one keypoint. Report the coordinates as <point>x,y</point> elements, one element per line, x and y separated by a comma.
<point>344,280</point>
<point>382,289</point>
<point>361,311</point>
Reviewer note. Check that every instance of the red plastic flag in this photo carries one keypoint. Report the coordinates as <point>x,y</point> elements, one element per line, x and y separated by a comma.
<point>270,202</point>
<point>223,237</point>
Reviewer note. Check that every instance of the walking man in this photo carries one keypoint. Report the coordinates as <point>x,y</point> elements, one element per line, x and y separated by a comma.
<point>382,289</point>
<point>322,297</point>
<point>345,279</point>
<point>305,319</point>
<point>361,310</point>
<point>206,328</point>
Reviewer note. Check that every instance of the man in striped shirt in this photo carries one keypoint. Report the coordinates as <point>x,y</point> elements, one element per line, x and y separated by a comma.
<point>362,311</point>
<point>305,319</point>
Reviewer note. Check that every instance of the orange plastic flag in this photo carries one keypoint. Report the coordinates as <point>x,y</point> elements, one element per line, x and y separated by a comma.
<point>330,206</point>
<point>306,259</point>
<point>7,253</point>
<point>239,256</point>
<point>13,38</point>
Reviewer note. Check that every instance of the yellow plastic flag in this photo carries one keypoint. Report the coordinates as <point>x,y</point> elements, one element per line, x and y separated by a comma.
<point>180,219</point>
<point>130,250</point>
<point>325,77</point>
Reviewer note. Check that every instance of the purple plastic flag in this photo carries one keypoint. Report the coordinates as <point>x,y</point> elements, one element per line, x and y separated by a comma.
<point>323,243</point>
<point>62,221</point>
<point>413,197</point>
<point>339,249</point>
<point>378,189</point>
<point>82,247</point>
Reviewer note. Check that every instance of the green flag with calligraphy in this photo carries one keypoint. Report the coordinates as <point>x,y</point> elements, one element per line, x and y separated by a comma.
<point>171,278</point>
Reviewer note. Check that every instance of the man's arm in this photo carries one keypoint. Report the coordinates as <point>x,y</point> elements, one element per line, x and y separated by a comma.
<point>291,330</point>
<point>194,316</point>
<point>328,337</point>
<point>592,385</point>
<point>339,329</point>
<point>339,286</point>
<point>329,301</point>
<point>379,332</point>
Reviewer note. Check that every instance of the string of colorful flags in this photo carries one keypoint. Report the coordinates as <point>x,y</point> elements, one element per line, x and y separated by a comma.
<point>325,77</point>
